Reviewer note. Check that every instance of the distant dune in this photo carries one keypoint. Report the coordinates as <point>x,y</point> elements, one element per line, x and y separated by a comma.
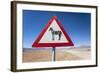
<point>62,54</point>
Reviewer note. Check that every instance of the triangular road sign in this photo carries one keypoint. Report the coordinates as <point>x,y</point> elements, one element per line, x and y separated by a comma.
<point>53,35</point>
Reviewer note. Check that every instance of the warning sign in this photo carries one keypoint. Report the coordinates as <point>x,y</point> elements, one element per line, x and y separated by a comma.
<point>53,35</point>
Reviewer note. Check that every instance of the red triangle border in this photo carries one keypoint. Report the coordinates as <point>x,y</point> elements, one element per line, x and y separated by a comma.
<point>37,44</point>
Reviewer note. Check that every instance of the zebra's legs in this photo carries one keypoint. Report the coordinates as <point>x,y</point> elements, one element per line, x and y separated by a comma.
<point>59,36</point>
<point>53,37</point>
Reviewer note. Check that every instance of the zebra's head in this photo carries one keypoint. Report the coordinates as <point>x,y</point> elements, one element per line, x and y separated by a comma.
<point>51,29</point>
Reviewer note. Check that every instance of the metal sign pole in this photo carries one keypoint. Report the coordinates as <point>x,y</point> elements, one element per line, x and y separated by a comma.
<point>53,54</point>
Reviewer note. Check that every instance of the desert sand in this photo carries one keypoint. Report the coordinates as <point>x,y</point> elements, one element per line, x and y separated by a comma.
<point>43,55</point>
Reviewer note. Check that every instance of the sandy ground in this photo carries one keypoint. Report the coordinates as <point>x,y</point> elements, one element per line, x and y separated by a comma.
<point>61,55</point>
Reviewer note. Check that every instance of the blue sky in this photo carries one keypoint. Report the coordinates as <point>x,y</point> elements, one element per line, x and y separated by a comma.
<point>77,25</point>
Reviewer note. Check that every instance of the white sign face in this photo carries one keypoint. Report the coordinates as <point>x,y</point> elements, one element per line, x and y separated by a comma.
<point>53,34</point>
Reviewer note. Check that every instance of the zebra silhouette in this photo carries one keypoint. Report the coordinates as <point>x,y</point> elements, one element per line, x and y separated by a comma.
<point>55,33</point>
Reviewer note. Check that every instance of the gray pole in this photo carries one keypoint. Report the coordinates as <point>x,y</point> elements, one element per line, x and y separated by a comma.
<point>53,54</point>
